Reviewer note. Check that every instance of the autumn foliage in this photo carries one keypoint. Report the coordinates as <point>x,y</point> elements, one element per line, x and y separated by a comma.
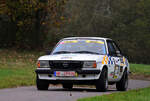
<point>2,5</point>
<point>31,20</point>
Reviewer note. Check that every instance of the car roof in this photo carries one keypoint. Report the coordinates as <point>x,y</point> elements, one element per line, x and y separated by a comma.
<point>96,38</point>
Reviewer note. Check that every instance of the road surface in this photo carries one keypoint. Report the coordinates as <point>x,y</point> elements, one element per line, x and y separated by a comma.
<point>56,93</point>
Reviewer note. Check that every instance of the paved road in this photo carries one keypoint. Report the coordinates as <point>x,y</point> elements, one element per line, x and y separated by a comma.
<point>58,94</point>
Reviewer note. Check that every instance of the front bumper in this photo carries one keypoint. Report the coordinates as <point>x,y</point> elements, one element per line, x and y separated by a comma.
<point>84,76</point>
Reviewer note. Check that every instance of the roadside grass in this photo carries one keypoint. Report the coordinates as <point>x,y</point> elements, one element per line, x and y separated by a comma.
<point>133,95</point>
<point>140,69</point>
<point>17,68</point>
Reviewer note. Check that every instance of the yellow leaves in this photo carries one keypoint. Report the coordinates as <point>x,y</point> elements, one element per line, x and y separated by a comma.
<point>43,23</point>
<point>20,23</point>
<point>64,1</point>
<point>25,13</point>
<point>2,6</point>
<point>55,9</point>
<point>62,18</point>
<point>57,24</point>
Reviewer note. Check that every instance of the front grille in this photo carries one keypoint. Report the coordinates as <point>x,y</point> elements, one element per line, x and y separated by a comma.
<point>66,65</point>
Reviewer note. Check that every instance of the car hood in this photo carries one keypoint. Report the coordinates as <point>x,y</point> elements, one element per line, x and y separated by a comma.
<point>78,57</point>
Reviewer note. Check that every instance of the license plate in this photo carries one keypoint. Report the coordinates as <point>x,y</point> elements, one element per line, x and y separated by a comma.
<point>65,74</point>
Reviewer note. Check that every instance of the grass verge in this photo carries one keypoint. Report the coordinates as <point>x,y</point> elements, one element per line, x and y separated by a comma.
<point>140,69</point>
<point>133,95</point>
<point>17,68</point>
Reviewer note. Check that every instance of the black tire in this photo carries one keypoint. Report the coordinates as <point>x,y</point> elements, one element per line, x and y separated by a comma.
<point>102,82</point>
<point>122,85</point>
<point>67,86</point>
<point>41,84</point>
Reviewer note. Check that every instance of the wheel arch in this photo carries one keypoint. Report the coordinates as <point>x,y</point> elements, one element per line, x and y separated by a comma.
<point>105,67</point>
<point>125,69</point>
<point>101,69</point>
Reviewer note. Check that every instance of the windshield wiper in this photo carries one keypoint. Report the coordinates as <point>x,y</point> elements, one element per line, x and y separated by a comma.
<point>62,52</point>
<point>86,52</point>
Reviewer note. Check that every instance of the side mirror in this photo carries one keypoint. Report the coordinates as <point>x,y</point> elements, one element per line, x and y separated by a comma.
<point>48,52</point>
<point>118,53</point>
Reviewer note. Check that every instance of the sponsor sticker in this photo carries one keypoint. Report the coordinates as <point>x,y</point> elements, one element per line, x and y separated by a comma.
<point>115,77</point>
<point>93,41</point>
<point>69,41</point>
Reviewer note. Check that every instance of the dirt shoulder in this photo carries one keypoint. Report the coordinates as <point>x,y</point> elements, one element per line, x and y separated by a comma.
<point>139,76</point>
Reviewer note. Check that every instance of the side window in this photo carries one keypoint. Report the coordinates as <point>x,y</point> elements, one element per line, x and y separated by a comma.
<point>111,48</point>
<point>117,48</point>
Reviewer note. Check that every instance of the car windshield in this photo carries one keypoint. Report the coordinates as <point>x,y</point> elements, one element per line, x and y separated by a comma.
<point>80,46</point>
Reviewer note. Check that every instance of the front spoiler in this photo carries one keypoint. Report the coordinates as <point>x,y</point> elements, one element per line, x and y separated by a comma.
<point>78,82</point>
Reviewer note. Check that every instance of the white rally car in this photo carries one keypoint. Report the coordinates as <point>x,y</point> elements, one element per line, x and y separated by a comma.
<point>83,60</point>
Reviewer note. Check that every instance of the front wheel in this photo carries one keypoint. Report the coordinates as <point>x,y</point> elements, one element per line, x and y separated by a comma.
<point>41,84</point>
<point>102,82</point>
<point>122,85</point>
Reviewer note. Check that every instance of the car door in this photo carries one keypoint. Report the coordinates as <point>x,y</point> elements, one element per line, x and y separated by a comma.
<point>114,61</point>
<point>121,61</point>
